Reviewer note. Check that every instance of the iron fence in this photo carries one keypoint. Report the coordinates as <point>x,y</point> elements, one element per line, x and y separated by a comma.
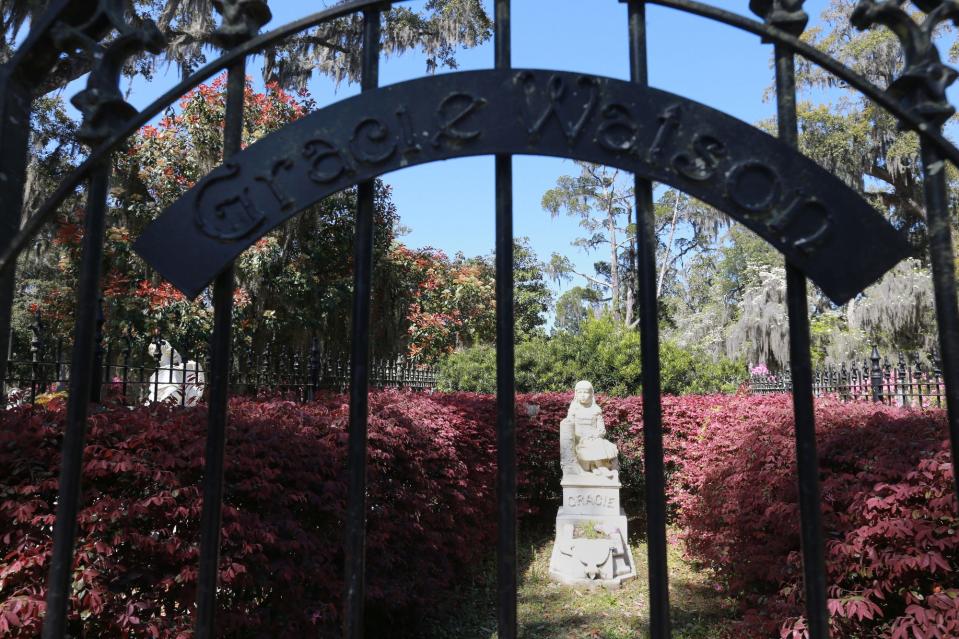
<point>912,380</point>
<point>138,370</point>
<point>808,215</point>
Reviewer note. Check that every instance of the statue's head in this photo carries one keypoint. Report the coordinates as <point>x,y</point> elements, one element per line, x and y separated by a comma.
<point>584,393</point>
<point>167,354</point>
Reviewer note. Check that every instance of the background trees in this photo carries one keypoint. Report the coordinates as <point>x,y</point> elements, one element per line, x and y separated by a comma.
<point>294,284</point>
<point>730,297</point>
<point>600,199</point>
<point>575,306</point>
<point>602,350</point>
<point>854,138</point>
<point>333,49</point>
<point>720,288</point>
<point>304,268</point>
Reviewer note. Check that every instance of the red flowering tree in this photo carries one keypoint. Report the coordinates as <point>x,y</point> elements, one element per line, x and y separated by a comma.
<point>452,302</point>
<point>293,283</point>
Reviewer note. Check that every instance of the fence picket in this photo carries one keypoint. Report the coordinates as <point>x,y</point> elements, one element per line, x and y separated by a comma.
<point>906,383</point>
<point>128,371</point>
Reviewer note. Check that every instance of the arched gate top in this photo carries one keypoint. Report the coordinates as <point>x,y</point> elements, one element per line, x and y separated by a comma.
<point>821,225</point>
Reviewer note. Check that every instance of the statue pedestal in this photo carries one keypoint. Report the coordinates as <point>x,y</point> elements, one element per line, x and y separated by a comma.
<point>591,545</point>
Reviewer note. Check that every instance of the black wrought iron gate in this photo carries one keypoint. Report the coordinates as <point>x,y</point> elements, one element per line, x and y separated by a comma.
<point>763,182</point>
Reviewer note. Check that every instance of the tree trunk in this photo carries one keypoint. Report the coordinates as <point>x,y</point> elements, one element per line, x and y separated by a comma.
<point>614,252</point>
<point>669,247</point>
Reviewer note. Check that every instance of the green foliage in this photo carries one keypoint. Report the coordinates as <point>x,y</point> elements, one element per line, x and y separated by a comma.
<point>531,295</point>
<point>470,369</point>
<point>693,372</point>
<point>854,137</point>
<point>604,352</point>
<point>574,307</point>
<point>452,303</point>
<point>589,530</point>
<point>437,29</point>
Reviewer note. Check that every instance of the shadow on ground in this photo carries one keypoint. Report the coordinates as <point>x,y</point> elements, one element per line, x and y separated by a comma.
<point>552,611</point>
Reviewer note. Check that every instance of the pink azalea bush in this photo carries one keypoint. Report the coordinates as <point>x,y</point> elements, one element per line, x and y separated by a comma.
<point>759,370</point>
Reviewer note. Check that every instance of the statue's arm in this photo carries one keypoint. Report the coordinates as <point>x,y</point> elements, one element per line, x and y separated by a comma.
<point>571,419</point>
<point>600,426</point>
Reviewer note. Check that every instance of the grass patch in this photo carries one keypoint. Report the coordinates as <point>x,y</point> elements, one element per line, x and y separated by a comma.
<point>548,610</point>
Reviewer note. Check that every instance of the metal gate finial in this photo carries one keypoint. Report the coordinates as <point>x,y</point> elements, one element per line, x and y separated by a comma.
<point>787,15</point>
<point>921,87</point>
<point>103,107</point>
<point>242,20</point>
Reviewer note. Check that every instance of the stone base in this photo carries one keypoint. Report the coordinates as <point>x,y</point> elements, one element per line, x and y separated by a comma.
<point>591,546</point>
<point>590,495</point>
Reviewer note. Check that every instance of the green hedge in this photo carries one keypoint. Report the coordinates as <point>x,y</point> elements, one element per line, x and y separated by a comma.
<point>604,352</point>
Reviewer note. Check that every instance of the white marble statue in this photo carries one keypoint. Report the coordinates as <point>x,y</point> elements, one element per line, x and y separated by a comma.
<point>582,435</point>
<point>173,379</point>
<point>591,546</point>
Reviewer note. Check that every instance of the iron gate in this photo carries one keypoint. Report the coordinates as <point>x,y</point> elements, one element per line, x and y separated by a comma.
<point>809,215</point>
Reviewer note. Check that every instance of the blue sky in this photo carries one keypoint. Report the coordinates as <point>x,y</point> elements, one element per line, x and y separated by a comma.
<point>449,205</point>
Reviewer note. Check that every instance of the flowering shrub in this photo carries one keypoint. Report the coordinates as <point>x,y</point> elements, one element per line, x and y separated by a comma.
<point>759,369</point>
<point>451,301</point>
<point>889,508</point>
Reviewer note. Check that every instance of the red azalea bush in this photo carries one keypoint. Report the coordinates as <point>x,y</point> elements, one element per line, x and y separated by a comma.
<point>890,512</point>
<point>889,508</point>
<point>431,503</point>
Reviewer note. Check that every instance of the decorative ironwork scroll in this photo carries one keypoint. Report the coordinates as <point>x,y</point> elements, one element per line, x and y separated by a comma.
<point>242,20</point>
<point>824,227</point>
<point>101,103</point>
<point>921,87</point>
<point>786,15</point>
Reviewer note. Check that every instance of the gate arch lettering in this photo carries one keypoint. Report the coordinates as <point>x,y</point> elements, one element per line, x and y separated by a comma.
<point>821,225</point>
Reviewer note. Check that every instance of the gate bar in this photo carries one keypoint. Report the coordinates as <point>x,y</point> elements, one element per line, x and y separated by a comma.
<point>505,375</point>
<point>220,343</point>
<point>942,259</point>
<point>34,58</point>
<point>14,140</point>
<point>646,243</point>
<point>81,379</point>
<point>355,551</point>
<point>814,565</point>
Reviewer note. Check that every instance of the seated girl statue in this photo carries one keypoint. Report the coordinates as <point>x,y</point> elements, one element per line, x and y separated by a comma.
<point>594,453</point>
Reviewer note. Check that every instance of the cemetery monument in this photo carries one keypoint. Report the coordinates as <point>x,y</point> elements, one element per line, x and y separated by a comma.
<point>591,537</point>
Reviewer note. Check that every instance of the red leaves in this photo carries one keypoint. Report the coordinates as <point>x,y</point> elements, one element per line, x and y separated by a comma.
<point>451,302</point>
<point>431,495</point>
<point>158,295</point>
<point>890,512</point>
<point>889,509</point>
